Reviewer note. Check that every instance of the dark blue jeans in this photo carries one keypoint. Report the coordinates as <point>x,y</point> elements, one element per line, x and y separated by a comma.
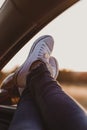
<point>43,100</point>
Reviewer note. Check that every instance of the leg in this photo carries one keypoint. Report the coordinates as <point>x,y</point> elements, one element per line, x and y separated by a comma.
<point>27,115</point>
<point>59,111</point>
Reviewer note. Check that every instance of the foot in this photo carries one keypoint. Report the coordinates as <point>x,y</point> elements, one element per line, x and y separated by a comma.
<point>40,50</point>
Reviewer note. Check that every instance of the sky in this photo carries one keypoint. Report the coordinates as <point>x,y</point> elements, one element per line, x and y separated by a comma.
<point>69,31</point>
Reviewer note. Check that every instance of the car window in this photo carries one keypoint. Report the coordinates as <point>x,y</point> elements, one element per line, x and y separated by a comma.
<point>69,32</point>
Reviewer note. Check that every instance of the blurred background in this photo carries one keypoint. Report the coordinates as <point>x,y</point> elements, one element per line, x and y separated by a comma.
<point>69,31</point>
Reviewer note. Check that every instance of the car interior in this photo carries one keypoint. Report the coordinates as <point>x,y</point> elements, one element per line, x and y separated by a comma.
<point>19,23</point>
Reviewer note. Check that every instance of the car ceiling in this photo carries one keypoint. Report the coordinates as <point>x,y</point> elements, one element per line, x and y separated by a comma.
<point>21,20</point>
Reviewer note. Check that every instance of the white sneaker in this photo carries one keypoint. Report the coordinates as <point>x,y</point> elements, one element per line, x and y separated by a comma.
<point>54,66</point>
<point>40,50</point>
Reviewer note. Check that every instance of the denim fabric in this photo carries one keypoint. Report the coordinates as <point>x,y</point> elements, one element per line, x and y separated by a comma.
<point>43,97</point>
<point>27,116</point>
<point>59,110</point>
